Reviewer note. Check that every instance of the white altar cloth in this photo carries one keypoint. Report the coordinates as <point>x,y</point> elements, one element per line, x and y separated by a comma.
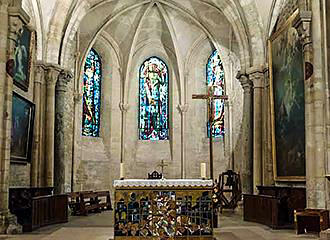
<point>163,183</point>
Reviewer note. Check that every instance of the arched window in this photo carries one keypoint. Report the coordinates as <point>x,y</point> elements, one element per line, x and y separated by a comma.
<point>216,80</point>
<point>92,95</point>
<point>153,100</point>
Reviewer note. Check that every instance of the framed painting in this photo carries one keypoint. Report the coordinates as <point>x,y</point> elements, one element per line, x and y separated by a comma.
<point>287,99</point>
<point>19,66</point>
<point>22,129</point>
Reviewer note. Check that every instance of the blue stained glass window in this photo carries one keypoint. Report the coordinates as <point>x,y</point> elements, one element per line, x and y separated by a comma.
<point>92,95</point>
<point>153,100</point>
<point>216,80</point>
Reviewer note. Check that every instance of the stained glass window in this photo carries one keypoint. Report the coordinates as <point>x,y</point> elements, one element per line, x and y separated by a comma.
<point>153,100</point>
<point>92,95</point>
<point>215,79</point>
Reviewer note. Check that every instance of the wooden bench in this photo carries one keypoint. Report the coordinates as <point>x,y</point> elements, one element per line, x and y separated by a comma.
<point>274,206</point>
<point>88,202</point>
<point>262,209</point>
<point>74,202</point>
<point>103,199</point>
<point>47,210</point>
<point>83,202</point>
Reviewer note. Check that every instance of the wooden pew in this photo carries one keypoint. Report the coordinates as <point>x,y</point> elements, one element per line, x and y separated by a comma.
<point>261,209</point>
<point>37,207</point>
<point>88,202</point>
<point>47,210</point>
<point>103,199</point>
<point>274,206</point>
<point>74,202</point>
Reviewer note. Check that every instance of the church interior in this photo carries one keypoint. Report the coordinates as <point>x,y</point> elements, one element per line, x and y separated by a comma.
<point>164,119</point>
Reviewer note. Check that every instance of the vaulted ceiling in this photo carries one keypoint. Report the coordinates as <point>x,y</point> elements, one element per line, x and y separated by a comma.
<point>129,23</point>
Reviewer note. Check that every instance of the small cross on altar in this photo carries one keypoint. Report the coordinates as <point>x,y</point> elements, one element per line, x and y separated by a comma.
<point>162,165</point>
<point>210,97</point>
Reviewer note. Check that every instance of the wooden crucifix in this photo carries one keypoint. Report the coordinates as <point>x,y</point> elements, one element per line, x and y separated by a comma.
<point>210,97</point>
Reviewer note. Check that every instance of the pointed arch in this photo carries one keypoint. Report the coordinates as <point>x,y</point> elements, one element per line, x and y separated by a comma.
<point>215,78</point>
<point>153,100</point>
<point>92,95</point>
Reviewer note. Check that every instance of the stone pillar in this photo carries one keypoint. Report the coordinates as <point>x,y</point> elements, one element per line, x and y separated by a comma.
<point>268,170</point>
<point>61,166</point>
<point>4,165</point>
<point>37,153</point>
<point>256,75</point>
<point>314,111</point>
<point>123,108</point>
<point>12,18</point>
<point>183,110</point>
<point>247,134</point>
<point>52,73</point>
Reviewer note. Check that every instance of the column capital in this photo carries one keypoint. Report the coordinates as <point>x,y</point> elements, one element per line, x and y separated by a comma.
<point>64,78</point>
<point>257,76</point>
<point>16,11</point>
<point>246,83</point>
<point>183,108</point>
<point>303,23</point>
<point>124,107</point>
<point>39,73</point>
<point>4,2</point>
<point>52,73</point>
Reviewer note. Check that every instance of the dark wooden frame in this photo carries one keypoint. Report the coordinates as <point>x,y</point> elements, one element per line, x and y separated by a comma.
<point>24,85</point>
<point>27,155</point>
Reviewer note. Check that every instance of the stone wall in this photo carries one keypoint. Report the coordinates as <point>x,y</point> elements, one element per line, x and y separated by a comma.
<point>97,159</point>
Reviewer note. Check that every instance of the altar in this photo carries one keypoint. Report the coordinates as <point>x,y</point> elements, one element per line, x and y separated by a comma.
<point>163,209</point>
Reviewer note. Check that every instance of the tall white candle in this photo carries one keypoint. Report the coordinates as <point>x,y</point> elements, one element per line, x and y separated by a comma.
<point>203,170</point>
<point>122,172</point>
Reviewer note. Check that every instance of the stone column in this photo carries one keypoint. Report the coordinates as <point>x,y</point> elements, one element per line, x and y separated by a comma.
<point>4,165</point>
<point>12,18</point>
<point>256,75</point>
<point>61,166</point>
<point>247,134</point>
<point>123,108</point>
<point>183,108</point>
<point>314,112</point>
<point>52,73</point>
<point>37,153</point>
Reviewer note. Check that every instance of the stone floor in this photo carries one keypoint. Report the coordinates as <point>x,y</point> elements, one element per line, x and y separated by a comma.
<point>100,227</point>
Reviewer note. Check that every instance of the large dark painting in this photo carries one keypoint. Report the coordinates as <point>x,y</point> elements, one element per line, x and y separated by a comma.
<point>288,103</point>
<point>19,66</point>
<point>22,129</point>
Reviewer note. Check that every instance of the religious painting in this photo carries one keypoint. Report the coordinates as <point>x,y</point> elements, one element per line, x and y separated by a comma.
<point>153,100</point>
<point>216,83</point>
<point>287,103</point>
<point>92,95</point>
<point>22,129</point>
<point>19,67</point>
